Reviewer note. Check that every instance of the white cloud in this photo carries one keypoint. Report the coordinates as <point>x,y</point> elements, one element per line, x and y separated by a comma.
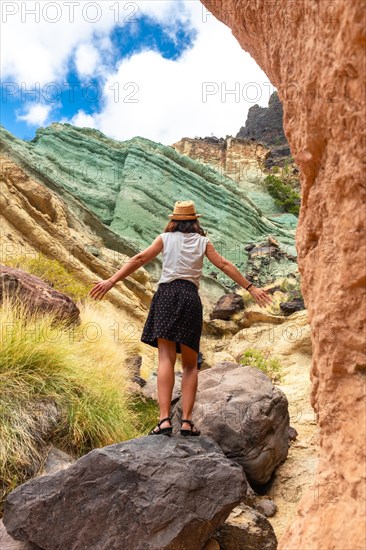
<point>82,119</point>
<point>35,49</point>
<point>86,60</point>
<point>171,100</point>
<point>169,97</point>
<point>36,115</point>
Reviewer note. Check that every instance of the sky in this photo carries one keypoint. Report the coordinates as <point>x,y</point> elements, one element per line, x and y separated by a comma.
<point>163,70</point>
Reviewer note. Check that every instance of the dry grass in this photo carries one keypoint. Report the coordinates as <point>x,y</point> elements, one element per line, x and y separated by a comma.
<point>52,272</point>
<point>65,385</point>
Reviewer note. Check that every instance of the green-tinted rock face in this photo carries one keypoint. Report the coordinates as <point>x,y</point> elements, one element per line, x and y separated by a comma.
<point>132,187</point>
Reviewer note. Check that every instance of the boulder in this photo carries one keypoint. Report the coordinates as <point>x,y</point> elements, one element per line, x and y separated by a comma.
<point>266,506</point>
<point>56,460</point>
<point>148,493</point>
<point>297,304</point>
<point>240,408</point>
<point>292,433</point>
<point>227,305</point>
<point>133,366</point>
<point>8,543</point>
<point>248,531</point>
<point>39,295</point>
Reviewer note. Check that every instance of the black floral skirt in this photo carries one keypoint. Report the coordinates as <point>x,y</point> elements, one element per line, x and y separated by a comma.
<point>176,314</point>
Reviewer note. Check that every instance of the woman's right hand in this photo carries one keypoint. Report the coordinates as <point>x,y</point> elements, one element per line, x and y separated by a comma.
<point>260,296</point>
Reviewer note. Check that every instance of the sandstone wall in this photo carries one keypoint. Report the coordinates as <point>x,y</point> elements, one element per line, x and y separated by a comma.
<point>313,53</point>
<point>34,219</point>
<point>234,157</point>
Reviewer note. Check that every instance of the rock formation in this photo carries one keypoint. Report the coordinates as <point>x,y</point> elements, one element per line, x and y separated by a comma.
<point>263,258</point>
<point>250,530</point>
<point>291,306</point>
<point>39,296</point>
<point>242,161</point>
<point>245,414</point>
<point>239,159</point>
<point>248,157</point>
<point>313,52</point>
<point>227,305</point>
<point>152,492</point>
<point>265,124</point>
<point>120,184</point>
<point>35,219</point>
<point>56,460</point>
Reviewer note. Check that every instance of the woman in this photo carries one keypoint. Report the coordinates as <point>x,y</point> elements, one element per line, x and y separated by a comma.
<point>174,321</point>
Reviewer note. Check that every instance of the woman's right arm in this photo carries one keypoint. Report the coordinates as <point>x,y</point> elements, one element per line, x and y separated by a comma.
<point>227,267</point>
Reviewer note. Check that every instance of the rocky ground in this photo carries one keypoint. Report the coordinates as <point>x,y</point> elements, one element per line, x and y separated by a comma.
<point>291,343</point>
<point>295,475</point>
<point>286,338</point>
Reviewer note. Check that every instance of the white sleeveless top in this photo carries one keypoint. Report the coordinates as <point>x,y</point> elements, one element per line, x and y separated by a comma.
<point>182,256</point>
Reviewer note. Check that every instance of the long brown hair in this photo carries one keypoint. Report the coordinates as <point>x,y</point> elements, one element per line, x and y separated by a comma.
<point>185,226</point>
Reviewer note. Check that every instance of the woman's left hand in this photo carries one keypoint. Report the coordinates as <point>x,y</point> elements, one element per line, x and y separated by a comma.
<point>100,288</point>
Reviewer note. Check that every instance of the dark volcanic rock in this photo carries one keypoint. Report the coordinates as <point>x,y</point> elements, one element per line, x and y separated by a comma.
<point>277,156</point>
<point>255,533</point>
<point>133,364</point>
<point>56,460</point>
<point>292,433</point>
<point>39,296</point>
<point>296,304</point>
<point>7,543</point>
<point>148,493</point>
<point>227,305</point>
<point>265,123</point>
<point>240,408</point>
<point>267,507</point>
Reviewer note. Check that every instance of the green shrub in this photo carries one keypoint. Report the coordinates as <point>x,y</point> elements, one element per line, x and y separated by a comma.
<point>285,197</point>
<point>260,360</point>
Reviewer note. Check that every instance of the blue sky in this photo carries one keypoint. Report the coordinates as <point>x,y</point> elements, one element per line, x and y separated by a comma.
<point>164,71</point>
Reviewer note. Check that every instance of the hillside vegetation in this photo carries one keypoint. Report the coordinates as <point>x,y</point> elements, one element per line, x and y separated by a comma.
<point>60,384</point>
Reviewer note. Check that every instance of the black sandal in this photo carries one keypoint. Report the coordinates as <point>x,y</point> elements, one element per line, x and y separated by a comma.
<point>191,431</point>
<point>162,431</point>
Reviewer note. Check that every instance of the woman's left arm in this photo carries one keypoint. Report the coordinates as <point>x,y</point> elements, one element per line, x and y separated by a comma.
<point>140,259</point>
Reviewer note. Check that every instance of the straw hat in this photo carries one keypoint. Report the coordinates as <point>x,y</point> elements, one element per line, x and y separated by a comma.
<point>184,210</point>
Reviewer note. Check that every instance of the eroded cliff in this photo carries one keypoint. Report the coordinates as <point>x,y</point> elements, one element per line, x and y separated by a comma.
<point>36,220</point>
<point>313,52</point>
<point>131,187</point>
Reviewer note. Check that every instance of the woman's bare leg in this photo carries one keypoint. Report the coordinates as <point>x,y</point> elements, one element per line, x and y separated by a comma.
<point>165,383</point>
<point>189,382</point>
